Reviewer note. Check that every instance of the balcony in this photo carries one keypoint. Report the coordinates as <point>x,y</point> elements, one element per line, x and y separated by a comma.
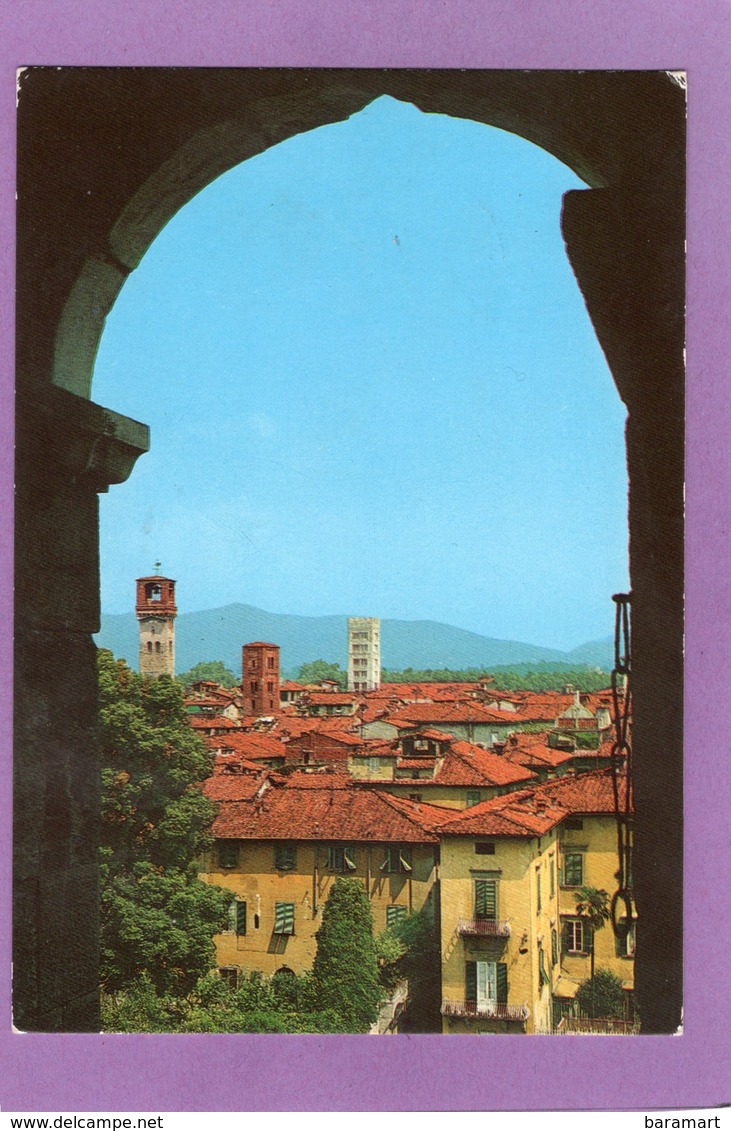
<point>484,928</point>
<point>493,1010</point>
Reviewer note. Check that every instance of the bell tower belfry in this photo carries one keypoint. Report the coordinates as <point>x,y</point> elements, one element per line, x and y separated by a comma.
<point>156,613</point>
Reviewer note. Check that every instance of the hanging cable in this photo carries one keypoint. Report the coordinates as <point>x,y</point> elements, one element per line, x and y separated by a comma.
<point>621,764</point>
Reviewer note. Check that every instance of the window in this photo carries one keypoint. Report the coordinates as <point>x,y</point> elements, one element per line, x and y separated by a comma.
<point>543,979</point>
<point>270,687</point>
<point>394,914</point>
<point>270,662</point>
<point>552,872</point>
<point>573,823</point>
<point>149,645</point>
<point>624,940</point>
<point>538,890</point>
<point>485,847</point>
<point>485,893</point>
<point>253,687</point>
<point>285,857</point>
<point>374,765</point>
<point>340,858</point>
<point>473,797</point>
<point>283,918</point>
<point>397,860</point>
<point>228,853</point>
<point>157,645</point>
<point>573,869</point>
<point>229,975</point>
<point>155,593</point>
<point>486,983</point>
<point>415,796</point>
<point>576,936</point>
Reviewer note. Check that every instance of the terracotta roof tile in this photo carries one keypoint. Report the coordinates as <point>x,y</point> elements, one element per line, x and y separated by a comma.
<point>325,812</point>
<point>588,793</point>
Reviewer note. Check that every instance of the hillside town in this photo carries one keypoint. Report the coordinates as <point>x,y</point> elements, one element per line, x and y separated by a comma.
<point>491,813</point>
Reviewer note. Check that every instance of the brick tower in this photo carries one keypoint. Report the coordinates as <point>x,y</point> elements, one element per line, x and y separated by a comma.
<point>260,678</point>
<point>156,613</point>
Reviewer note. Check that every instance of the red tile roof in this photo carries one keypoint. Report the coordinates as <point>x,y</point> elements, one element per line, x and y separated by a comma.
<point>467,764</point>
<point>515,814</point>
<point>253,745</point>
<point>330,698</point>
<point>462,713</point>
<point>211,722</point>
<point>526,749</point>
<point>588,793</point>
<point>324,811</point>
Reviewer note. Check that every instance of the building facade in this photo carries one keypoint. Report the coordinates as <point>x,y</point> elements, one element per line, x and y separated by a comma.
<point>156,612</point>
<point>260,678</point>
<point>364,653</point>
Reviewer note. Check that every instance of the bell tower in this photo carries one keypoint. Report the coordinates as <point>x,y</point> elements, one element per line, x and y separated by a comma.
<point>156,613</point>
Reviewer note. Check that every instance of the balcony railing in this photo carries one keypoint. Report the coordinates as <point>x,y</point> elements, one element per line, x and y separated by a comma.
<point>484,928</point>
<point>500,1011</point>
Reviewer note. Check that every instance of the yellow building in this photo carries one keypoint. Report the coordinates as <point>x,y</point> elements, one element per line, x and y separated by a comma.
<point>500,916</point>
<point>279,846</point>
<point>515,948</point>
<point>588,858</point>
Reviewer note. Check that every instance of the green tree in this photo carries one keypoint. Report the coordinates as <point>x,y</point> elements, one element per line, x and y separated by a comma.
<point>345,972</point>
<point>411,950</point>
<point>284,1003</point>
<point>601,995</point>
<point>157,918</point>
<point>317,670</point>
<point>592,904</point>
<point>213,670</point>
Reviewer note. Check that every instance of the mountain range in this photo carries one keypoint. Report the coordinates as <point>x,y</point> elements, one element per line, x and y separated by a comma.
<point>218,634</point>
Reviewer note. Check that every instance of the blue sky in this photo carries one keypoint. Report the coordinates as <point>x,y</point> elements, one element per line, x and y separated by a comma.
<point>373,389</point>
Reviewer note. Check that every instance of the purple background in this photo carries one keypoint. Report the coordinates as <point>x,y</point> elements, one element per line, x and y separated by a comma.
<point>191,1073</point>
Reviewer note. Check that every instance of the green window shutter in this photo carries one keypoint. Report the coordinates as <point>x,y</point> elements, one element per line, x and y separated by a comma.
<point>566,937</point>
<point>573,869</point>
<point>285,857</point>
<point>554,947</point>
<point>485,899</point>
<point>240,917</point>
<point>502,983</point>
<point>542,972</point>
<point>348,859</point>
<point>283,918</point>
<point>394,914</point>
<point>404,860</point>
<point>470,981</point>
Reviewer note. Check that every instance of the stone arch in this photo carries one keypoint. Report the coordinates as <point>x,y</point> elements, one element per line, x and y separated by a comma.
<point>105,158</point>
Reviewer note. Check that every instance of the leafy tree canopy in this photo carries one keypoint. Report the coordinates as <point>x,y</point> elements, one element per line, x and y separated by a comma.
<point>157,918</point>
<point>411,950</point>
<point>285,1003</point>
<point>545,676</point>
<point>345,972</point>
<point>602,995</point>
<point>317,670</point>
<point>213,670</point>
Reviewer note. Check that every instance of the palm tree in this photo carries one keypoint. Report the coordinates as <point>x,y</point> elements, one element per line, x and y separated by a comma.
<point>593,906</point>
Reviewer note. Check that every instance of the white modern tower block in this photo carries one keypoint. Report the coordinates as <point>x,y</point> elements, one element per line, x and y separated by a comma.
<point>364,653</point>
